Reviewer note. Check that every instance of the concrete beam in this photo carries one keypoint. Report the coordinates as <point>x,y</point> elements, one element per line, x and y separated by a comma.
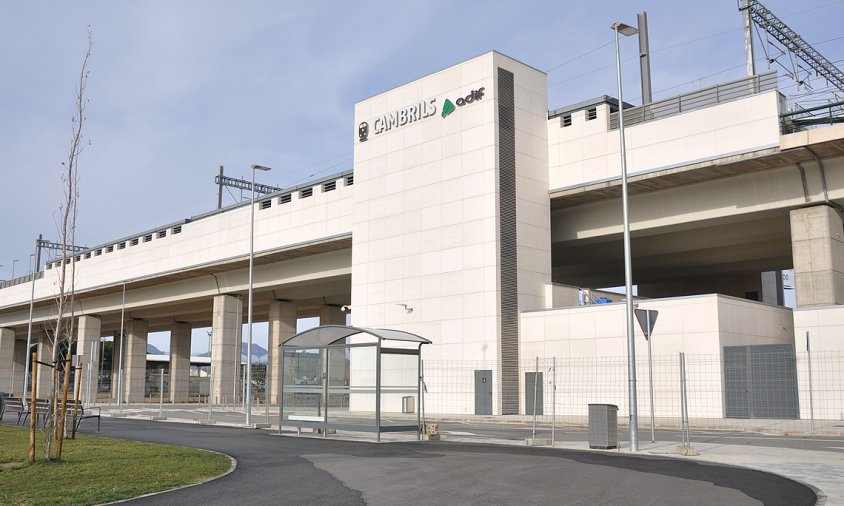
<point>7,359</point>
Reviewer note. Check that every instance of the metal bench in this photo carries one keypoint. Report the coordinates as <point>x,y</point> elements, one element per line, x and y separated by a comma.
<point>15,405</point>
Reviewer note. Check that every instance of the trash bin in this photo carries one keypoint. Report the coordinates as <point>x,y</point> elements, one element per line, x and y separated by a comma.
<point>603,426</point>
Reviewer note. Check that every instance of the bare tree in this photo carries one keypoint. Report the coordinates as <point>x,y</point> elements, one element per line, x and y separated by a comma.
<point>62,337</point>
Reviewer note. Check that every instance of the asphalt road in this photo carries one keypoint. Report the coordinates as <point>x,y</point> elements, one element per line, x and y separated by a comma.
<point>276,469</point>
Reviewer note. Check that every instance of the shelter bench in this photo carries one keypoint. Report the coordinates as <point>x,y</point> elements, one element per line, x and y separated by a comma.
<point>305,418</point>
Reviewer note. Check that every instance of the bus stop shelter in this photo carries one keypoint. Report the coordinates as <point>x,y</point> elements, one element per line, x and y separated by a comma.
<point>339,377</point>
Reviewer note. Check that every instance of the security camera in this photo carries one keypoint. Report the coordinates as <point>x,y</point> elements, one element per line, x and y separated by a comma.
<point>345,308</point>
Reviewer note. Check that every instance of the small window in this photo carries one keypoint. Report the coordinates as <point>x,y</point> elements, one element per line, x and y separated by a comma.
<point>109,249</point>
<point>307,192</point>
<point>266,204</point>
<point>330,186</point>
<point>566,120</point>
<point>121,245</point>
<point>285,199</point>
<point>177,229</point>
<point>350,180</point>
<point>148,238</point>
<point>591,113</point>
<point>98,252</point>
<point>162,234</point>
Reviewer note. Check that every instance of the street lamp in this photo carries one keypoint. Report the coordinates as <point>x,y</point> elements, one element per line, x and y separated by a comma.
<point>627,31</point>
<point>248,399</point>
<point>13,268</point>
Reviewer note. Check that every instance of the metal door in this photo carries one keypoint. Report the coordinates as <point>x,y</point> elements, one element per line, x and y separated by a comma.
<point>531,379</point>
<point>483,392</point>
<point>761,381</point>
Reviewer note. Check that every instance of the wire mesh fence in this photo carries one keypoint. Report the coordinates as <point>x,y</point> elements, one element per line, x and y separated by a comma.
<point>755,388</point>
<point>771,390</point>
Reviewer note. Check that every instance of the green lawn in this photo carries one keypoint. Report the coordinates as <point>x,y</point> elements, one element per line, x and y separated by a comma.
<point>96,470</point>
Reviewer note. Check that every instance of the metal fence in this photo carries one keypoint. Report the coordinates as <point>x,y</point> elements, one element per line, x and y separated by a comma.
<point>706,97</point>
<point>804,395</point>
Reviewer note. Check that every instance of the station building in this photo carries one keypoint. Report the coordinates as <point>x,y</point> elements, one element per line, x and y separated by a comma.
<point>479,218</point>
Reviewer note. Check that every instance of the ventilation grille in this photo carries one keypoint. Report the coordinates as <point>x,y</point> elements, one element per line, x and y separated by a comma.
<point>307,192</point>
<point>109,249</point>
<point>266,204</point>
<point>134,242</point>
<point>509,311</point>
<point>177,229</point>
<point>350,180</point>
<point>148,238</point>
<point>330,186</point>
<point>285,199</point>
<point>162,234</point>
<point>121,245</point>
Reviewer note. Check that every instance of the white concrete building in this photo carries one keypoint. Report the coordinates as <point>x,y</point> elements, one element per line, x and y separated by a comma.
<point>473,216</point>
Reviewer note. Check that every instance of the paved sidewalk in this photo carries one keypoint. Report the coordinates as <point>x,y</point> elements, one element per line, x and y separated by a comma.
<point>823,470</point>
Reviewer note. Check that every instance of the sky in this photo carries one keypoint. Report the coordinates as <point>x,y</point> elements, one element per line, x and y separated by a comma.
<point>177,89</point>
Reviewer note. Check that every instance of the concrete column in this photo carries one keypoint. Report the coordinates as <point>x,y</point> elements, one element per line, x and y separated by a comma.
<point>116,351</point>
<point>45,373</point>
<point>817,245</point>
<point>89,329</point>
<point>7,359</point>
<point>179,362</point>
<point>226,338</point>
<point>19,387</point>
<point>135,361</point>
<point>282,325</point>
<point>330,315</point>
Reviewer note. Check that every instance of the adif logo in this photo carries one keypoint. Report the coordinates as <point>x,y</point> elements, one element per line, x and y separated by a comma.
<point>449,107</point>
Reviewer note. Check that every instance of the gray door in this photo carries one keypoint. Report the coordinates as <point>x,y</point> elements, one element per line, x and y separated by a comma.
<point>531,379</point>
<point>483,392</point>
<point>761,381</point>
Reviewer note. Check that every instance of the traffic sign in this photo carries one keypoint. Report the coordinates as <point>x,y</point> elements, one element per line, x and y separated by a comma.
<point>647,320</point>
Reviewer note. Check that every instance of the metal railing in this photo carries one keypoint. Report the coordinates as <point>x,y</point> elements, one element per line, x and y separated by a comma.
<point>20,280</point>
<point>800,119</point>
<point>706,97</point>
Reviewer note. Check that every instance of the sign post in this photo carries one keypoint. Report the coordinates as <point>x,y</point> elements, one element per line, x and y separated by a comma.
<point>647,320</point>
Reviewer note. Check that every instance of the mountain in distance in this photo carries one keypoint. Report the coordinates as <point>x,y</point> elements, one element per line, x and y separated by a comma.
<point>152,350</point>
<point>260,355</point>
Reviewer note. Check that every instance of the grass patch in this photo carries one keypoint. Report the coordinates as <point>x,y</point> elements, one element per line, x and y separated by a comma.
<point>95,470</point>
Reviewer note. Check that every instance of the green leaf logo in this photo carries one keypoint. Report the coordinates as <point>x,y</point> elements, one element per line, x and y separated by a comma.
<point>448,108</point>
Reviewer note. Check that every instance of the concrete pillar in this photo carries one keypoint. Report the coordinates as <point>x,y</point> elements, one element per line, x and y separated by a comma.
<point>331,315</point>
<point>135,361</point>
<point>226,338</point>
<point>282,325</point>
<point>7,359</point>
<point>817,245</point>
<point>116,351</point>
<point>19,387</point>
<point>45,373</point>
<point>88,345</point>
<point>179,362</point>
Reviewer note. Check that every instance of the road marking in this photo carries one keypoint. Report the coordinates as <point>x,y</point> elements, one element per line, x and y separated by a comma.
<point>781,438</point>
<point>458,433</point>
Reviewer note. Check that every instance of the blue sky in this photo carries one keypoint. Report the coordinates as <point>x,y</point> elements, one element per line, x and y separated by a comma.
<point>178,88</point>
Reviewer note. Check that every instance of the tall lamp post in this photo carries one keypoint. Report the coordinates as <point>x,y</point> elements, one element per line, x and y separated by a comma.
<point>626,30</point>
<point>248,399</point>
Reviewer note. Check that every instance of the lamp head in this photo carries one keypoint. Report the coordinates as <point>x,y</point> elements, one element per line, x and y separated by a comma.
<point>624,29</point>
<point>260,167</point>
